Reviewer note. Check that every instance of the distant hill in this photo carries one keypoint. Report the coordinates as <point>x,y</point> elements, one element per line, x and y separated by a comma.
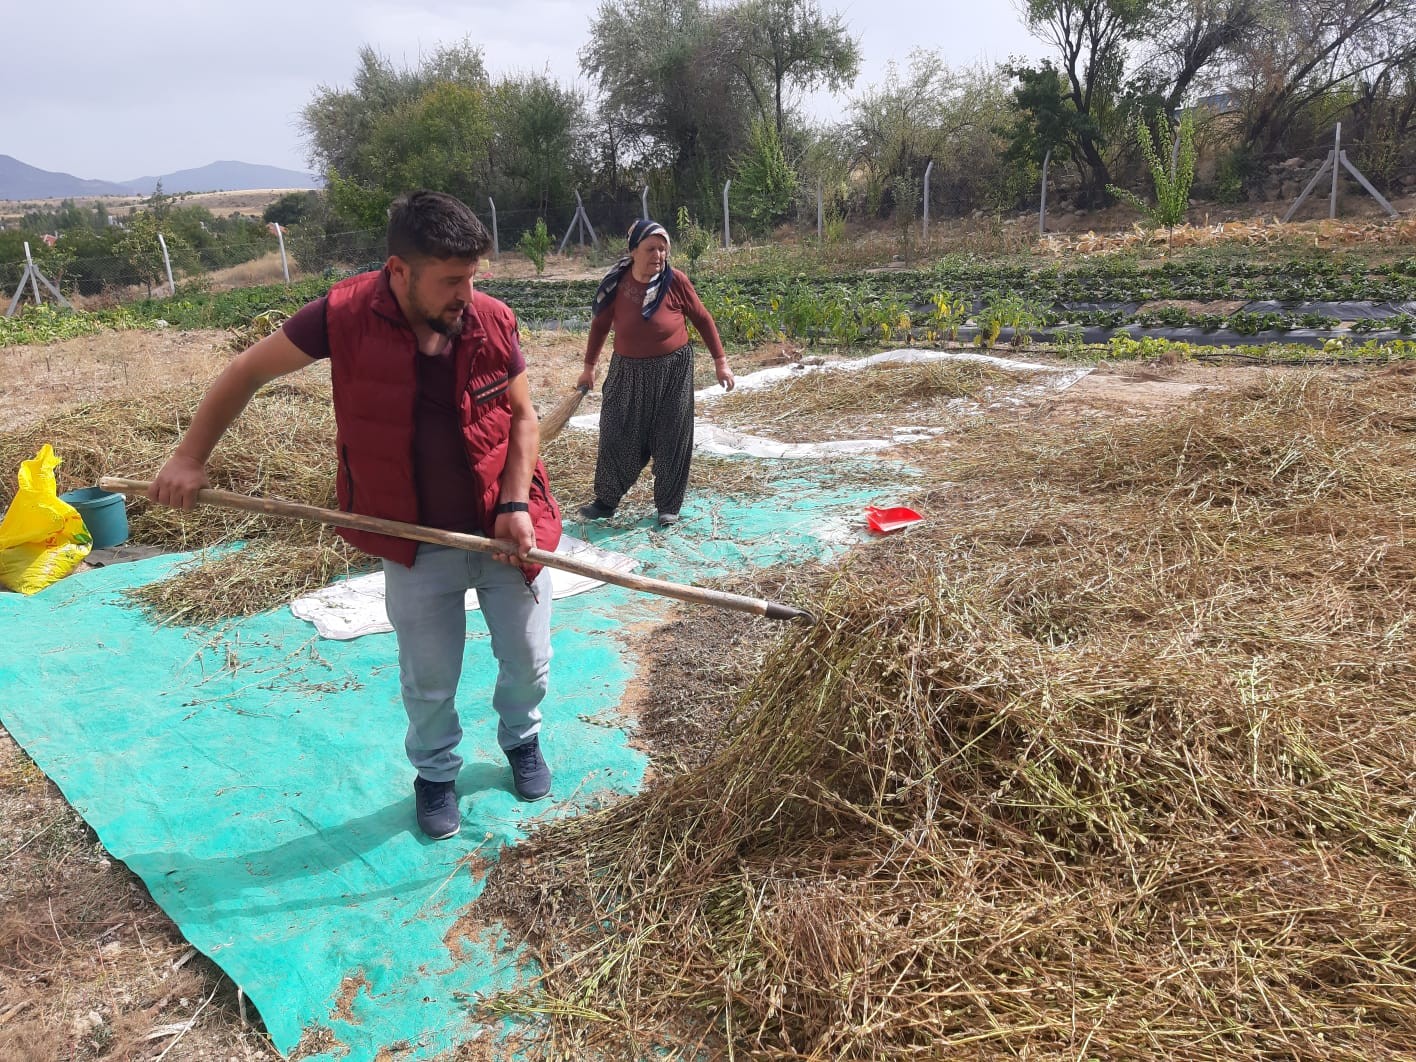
<point>224,177</point>
<point>19,180</point>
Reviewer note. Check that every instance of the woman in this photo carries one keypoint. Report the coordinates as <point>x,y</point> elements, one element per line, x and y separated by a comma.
<point>647,406</point>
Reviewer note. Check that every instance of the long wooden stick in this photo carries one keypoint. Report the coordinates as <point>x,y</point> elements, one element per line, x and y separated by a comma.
<point>696,595</point>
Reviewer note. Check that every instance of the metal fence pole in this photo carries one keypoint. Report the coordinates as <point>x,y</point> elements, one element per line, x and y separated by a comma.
<point>284,262</point>
<point>496,240</point>
<point>924,236</point>
<point>1042,206</point>
<point>1336,154</point>
<point>644,203</point>
<point>167,261</point>
<point>727,239</point>
<point>30,272</point>
<point>820,213</point>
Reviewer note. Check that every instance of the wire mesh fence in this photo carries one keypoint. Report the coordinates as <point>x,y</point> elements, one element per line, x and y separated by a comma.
<point>119,265</point>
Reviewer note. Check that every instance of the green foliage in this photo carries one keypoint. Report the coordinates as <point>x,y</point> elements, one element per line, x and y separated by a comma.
<point>535,122</point>
<point>362,206</point>
<point>693,240</point>
<point>906,189</point>
<point>1171,178</point>
<point>930,111</point>
<point>293,208</point>
<point>950,311</point>
<point>1146,348</point>
<point>1069,340</point>
<point>1008,311</point>
<point>1232,174</point>
<point>48,324</point>
<point>338,122</point>
<point>438,140</point>
<point>765,184</point>
<point>536,244</point>
<point>141,251</point>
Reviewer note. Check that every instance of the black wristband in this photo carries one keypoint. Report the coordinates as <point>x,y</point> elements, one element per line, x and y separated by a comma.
<point>513,507</point>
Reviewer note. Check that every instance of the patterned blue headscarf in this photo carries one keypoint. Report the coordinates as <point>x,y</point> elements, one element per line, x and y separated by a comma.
<point>658,287</point>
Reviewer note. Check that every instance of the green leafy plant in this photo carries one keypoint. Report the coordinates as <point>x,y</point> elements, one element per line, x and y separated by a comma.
<point>693,239</point>
<point>1008,311</point>
<point>906,189</point>
<point>1069,340</point>
<point>764,179</point>
<point>948,314</point>
<point>1171,177</point>
<point>536,244</point>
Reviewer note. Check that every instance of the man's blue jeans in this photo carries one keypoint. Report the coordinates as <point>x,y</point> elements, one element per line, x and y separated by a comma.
<point>426,606</point>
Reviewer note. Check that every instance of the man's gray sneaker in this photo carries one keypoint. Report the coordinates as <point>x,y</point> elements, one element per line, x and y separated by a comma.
<point>530,776</point>
<point>438,816</point>
<point>668,519</point>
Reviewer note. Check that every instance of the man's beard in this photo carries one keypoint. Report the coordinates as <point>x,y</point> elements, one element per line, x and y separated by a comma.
<point>438,323</point>
<point>443,327</point>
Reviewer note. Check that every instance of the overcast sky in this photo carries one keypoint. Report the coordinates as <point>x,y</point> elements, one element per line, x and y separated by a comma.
<point>125,88</point>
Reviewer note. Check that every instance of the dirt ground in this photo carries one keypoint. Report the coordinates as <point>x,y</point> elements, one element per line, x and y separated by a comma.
<point>90,968</point>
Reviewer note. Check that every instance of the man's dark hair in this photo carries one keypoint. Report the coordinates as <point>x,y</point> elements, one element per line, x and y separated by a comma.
<point>424,225</point>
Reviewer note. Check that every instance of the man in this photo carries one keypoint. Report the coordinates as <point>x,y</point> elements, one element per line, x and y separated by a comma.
<point>434,426</point>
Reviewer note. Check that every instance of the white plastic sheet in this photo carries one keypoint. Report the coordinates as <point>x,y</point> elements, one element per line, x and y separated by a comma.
<point>354,607</point>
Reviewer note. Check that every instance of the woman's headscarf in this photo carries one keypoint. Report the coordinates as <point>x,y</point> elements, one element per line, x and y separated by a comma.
<point>658,287</point>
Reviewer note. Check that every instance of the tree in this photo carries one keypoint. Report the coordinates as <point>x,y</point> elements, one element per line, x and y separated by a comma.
<point>292,208</point>
<point>1171,175</point>
<point>929,112</point>
<point>677,104</point>
<point>788,44</point>
<point>1091,37</point>
<point>763,180</point>
<point>536,244</point>
<point>439,140</point>
<point>141,251</point>
<point>1303,52</point>
<point>1191,42</point>
<point>338,122</point>
<point>536,142</point>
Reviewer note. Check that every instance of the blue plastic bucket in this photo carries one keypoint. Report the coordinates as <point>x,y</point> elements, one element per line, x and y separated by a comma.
<point>105,514</point>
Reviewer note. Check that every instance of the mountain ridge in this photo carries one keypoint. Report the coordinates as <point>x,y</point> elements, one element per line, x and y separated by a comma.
<point>20,180</point>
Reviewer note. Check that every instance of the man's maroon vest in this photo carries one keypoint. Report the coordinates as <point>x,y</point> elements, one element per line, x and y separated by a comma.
<point>374,373</point>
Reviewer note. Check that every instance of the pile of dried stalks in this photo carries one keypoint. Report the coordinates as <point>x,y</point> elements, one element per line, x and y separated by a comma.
<point>283,445</point>
<point>817,406</point>
<point>1325,234</point>
<point>1113,759</point>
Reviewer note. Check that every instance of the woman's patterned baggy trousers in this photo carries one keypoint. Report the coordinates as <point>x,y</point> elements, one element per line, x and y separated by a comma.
<point>646,412</point>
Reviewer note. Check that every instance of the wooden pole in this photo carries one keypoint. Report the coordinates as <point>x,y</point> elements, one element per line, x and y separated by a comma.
<point>695,595</point>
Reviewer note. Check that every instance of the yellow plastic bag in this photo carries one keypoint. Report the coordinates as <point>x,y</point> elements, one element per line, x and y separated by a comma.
<point>42,538</point>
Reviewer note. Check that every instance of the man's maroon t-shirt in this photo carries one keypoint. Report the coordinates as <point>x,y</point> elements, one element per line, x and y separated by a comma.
<point>446,487</point>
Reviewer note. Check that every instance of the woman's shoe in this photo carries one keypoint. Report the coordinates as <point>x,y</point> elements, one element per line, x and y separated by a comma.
<point>596,511</point>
